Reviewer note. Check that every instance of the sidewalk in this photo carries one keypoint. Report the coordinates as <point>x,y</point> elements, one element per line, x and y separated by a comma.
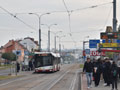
<point>100,87</point>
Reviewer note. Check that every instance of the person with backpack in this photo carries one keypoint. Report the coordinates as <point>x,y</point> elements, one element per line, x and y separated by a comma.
<point>114,75</point>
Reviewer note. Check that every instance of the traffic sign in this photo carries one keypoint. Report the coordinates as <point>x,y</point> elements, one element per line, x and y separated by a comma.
<point>93,43</point>
<point>26,52</point>
<point>118,41</point>
<point>87,51</point>
<point>17,52</point>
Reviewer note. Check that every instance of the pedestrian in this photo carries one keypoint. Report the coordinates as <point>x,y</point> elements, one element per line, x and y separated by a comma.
<point>114,75</point>
<point>94,63</point>
<point>108,72</point>
<point>97,72</point>
<point>104,72</point>
<point>88,69</point>
<point>30,65</point>
<point>18,67</point>
<point>23,66</point>
<point>118,64</point>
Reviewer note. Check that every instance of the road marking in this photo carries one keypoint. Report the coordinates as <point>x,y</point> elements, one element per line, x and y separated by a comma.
<point>74,81</point>
<point>58,80</point>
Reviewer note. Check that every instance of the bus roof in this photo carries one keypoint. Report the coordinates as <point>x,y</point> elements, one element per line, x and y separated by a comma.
<point>54,54</point>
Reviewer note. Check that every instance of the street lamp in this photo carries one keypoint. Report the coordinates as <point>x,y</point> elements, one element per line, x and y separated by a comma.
<point>60,43</point>
<point>55,38</point>
<point>39,16</point>
<point>49,26</point>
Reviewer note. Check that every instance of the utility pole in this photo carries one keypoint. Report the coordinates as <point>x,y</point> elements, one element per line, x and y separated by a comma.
<point>83,50</point>
<point>114,17</point>
<point>55,43</point>
<point>49,26</point>
<point>114,24</point>
<point>49,39</point>
<point>60,43</point>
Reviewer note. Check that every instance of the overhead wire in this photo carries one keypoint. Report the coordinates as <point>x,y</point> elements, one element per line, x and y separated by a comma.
<point>19,19</point>
<point>106,20</point>
<point>93,6</point>
<point>69,13</point>
<point>74,10</point>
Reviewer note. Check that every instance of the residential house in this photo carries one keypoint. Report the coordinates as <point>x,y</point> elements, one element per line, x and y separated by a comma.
<point>13,46</point>
<point>29,43</point>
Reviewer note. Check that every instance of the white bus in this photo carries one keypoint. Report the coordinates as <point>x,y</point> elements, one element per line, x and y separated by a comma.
<point>46,62</point>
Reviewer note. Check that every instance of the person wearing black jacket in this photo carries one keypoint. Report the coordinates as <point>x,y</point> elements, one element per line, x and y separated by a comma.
<point>97,72</point>
<point>88,69</point>
<point>18,67</point>
<point>114,75</point>
<point>108,72</point>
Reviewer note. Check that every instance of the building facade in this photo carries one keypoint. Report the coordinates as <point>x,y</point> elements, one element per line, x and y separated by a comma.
<point>29,43</point>
<point>13,46</point>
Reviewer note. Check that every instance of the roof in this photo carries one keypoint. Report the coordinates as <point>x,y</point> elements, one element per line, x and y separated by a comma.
<point>54,54</point>
<point>32,39</point>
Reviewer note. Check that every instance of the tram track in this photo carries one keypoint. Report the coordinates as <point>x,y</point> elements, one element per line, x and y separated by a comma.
<point>36,80</point>
<point>66,81</point>
<point>52,81</point>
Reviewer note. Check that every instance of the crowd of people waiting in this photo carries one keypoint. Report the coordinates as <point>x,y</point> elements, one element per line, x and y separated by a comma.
<point>25,67</point>
<point>108,69</point>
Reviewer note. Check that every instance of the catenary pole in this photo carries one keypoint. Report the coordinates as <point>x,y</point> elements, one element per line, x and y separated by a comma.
<point>114,17</point>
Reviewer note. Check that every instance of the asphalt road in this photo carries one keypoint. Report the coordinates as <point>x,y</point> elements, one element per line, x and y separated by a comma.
<point>65,79</point>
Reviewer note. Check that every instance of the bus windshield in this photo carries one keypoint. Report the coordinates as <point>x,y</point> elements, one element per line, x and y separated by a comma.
<point>43,61</point>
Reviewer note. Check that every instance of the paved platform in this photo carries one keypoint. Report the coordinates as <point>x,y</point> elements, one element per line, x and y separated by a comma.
<point>100,87</point>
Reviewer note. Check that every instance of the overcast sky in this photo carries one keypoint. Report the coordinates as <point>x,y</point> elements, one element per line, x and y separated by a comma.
<point>84,21</point>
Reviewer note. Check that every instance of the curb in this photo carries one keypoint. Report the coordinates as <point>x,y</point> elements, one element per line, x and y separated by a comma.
<point>81,81</point>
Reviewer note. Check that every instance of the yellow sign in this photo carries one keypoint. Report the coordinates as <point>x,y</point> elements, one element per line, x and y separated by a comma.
<point>108,45</point>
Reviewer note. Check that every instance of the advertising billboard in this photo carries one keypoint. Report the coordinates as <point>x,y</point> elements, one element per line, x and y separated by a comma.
<point>96,53</point>
<point>108,45</point>
<point>111,35</point>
